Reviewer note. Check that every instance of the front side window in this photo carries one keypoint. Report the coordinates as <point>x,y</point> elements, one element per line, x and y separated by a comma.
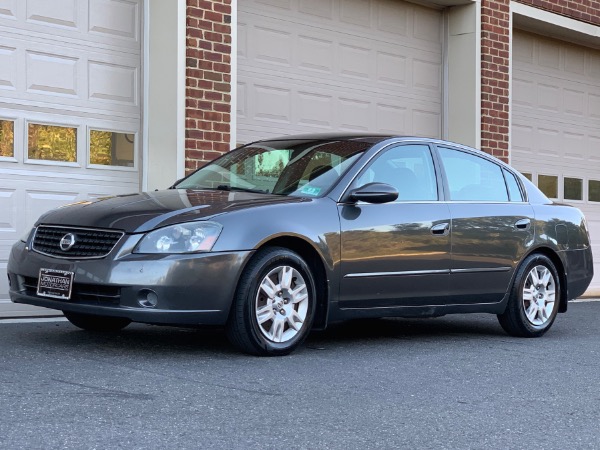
<point>472,178</point>
<point>300,168</point>
<point>408,168</point>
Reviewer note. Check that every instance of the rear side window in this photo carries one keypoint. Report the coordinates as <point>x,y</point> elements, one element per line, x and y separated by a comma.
<point>472,178</point>
<point>514,191</point>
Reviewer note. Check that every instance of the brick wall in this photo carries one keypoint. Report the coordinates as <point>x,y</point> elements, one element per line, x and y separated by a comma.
<point>495,48</point>
<point>208,85</point>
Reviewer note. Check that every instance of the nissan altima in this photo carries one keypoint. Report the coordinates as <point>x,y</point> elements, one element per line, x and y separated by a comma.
<point>286,235</point>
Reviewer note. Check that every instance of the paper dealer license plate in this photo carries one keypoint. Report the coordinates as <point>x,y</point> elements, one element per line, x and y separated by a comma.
<point>55,284</point>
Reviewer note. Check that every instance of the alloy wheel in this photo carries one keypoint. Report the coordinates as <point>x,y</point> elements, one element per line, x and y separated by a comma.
<point>539,294</point>
<point>281,304</point>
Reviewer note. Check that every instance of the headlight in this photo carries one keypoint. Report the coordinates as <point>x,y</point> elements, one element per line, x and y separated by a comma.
<point>181,238</point>
<point>25,237</point>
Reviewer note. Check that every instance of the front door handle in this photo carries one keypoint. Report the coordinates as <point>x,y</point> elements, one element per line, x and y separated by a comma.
<point>441,229</point>
<point>522,224</point>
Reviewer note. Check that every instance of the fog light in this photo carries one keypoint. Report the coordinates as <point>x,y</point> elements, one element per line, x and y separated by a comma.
<point>147,298</point>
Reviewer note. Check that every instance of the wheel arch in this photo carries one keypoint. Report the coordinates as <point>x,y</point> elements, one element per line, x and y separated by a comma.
<point>315,261</point>
<point>560,268</point>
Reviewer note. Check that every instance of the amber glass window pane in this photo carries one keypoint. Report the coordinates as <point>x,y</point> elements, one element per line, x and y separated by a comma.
<point>548,184</point>
<point>108,148</point>
<point>527,175</point>
<point>573,188</point>
<point>7,138</point>
<point>52,143</point>
<point>594,191</point>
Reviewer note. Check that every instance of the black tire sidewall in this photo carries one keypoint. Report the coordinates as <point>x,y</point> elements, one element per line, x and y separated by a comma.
<point>92,322</point>
<point>266,263</point>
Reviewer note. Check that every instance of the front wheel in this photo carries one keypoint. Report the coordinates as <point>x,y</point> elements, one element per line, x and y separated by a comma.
<point>534,298</point>
<point>274,306</point>
<point>91,322</point>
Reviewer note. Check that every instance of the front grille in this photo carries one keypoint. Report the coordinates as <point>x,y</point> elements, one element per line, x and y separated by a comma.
<point>89,243</point>
<point>81,293</point>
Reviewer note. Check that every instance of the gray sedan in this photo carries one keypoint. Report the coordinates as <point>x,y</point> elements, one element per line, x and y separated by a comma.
<point>287,235</point>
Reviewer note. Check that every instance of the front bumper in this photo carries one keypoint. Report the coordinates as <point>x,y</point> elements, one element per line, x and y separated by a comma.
<point>192,289</point>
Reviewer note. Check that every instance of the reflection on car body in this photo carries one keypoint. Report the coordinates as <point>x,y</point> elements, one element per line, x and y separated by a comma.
<point>285,235</point>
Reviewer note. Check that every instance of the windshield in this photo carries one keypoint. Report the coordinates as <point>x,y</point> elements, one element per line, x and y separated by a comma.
<point>300,168</point>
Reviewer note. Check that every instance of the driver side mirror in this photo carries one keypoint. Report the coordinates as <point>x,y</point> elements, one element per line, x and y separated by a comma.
<point>374,193</point>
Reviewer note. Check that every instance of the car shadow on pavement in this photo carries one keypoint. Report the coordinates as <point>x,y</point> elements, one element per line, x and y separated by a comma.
<point>476,325</point>
<point>139,339</point>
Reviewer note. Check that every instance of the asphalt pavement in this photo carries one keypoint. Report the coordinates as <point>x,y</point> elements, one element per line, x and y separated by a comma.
<point>455,382</point>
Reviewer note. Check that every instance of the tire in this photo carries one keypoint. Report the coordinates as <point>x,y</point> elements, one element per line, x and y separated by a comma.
<point>534,298</point>
<point>90,322</point>
<point>274,305</point>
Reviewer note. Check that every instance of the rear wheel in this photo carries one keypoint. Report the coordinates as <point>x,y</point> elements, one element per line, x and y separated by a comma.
<point>96,323</point>
<point>534,298</point>
<point>274,306</point>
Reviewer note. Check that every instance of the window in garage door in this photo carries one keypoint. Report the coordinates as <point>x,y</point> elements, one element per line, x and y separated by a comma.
<point>110,148</point>
<point>7,138</point>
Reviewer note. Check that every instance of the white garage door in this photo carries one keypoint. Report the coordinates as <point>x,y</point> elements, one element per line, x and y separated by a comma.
<point>556,124</point>
<point>331,65</point>
<point>69,110</point>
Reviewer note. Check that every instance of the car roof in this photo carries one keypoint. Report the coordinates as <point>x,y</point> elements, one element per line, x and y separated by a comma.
<point>371,137</point>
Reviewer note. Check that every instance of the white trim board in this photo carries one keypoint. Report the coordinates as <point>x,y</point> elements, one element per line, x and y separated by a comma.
<point>554,25</point>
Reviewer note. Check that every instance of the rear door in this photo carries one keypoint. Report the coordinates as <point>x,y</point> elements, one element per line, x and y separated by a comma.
<point>492,225</point>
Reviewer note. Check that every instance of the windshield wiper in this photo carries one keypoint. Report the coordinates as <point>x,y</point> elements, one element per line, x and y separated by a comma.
<point>226,187</point>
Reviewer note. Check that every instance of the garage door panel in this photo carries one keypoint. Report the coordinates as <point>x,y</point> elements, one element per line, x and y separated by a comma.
<point>81,77</point>
<point>8,67</point>
<point>306,50</point>
<point>319,8</point>
<point>61,13</point>
<point>115,19</point>
<point>306,106</point>
<point>354,75</point>
<point>8,8</point>
<point>66,67</point>
<point>556,118</point>
<point>104,23</point>
<point>51,74</point>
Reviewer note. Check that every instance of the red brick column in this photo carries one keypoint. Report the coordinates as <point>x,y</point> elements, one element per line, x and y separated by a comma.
<point>495,48</point>
<point>208,81</point>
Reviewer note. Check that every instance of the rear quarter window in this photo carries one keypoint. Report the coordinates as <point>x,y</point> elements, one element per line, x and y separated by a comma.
<point>472,178</point>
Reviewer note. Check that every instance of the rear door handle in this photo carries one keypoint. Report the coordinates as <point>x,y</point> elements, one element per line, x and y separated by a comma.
<point>522,224</point>
<point>441,229</point>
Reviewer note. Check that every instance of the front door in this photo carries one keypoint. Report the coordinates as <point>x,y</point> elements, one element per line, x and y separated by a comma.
<point>397,253</point>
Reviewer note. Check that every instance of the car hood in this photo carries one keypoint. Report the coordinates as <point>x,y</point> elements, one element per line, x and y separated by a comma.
<point>149,210</point>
